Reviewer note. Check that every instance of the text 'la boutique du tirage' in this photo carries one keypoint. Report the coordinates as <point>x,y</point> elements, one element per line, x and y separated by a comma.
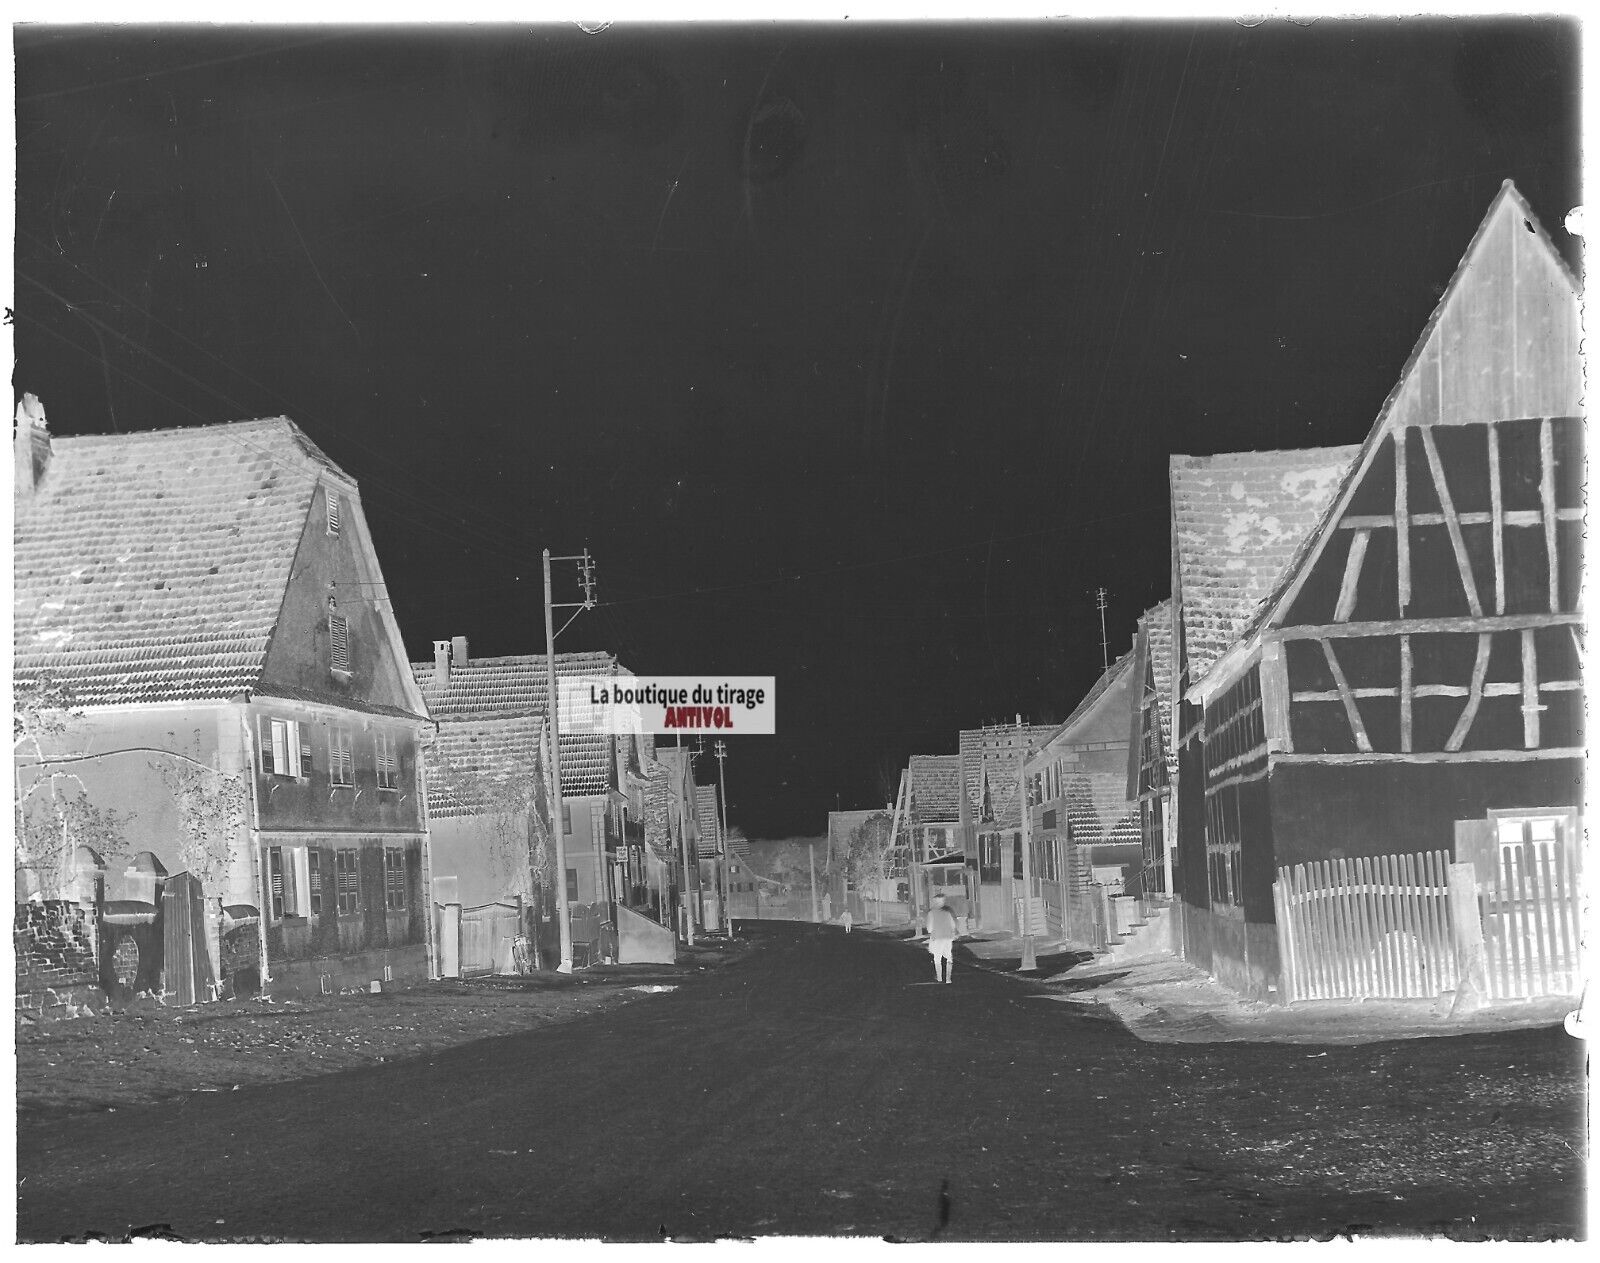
<point>669,704</point>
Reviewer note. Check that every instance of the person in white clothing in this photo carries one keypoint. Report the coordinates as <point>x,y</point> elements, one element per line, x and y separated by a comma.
<point>942,940</point>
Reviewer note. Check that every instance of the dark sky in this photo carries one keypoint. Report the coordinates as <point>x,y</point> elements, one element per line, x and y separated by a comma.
<point>853,354</point>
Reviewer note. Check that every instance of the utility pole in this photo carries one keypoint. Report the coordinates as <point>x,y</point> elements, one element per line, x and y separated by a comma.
<point>1024,799</point>
<point>815,916</point>
<point>1100,604</point>
<point>563,912</point>
<point>720,750</point>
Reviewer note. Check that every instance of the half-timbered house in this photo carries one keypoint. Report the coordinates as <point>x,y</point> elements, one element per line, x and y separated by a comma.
<point>1411,683</point>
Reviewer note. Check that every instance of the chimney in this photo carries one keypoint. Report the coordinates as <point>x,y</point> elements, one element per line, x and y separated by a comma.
<point>458,651</point>
<point>441,662</point>
<point>30,446</point>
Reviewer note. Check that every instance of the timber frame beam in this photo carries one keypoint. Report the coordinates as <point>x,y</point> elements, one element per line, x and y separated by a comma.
<point>1422,626</point>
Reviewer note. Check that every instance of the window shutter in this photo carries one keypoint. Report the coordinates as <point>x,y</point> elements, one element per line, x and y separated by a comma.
<point>314,865</point>
<point>264,733</point>
<point>340,631</point>
<point>275,866</point>
<point>305,749</point>
<point>333,511</point>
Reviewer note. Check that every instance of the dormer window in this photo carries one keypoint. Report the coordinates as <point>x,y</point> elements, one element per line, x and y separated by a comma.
<point>339,640</point>
<point>332,498</point>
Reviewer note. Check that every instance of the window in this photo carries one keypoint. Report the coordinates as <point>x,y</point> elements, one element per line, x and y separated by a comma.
<point>566,817</point>
<point>572,885</point>
<point>341,760</point>
<point>332,497</point>
<point>394,878</point>
<point>296,888</point>
<point>314,872</point>
<point>283,747</point>
<point>346,872</point>
<point>275,869</point>
<point>989,858</point>
<point>384,755</point>
<point>339,640</point>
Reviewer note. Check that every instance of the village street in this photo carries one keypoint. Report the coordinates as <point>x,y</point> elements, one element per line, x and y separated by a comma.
<point>824,1086</point>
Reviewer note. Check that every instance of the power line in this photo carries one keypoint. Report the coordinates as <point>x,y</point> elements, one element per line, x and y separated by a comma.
<point>411,503</point>
<point>300,413</point>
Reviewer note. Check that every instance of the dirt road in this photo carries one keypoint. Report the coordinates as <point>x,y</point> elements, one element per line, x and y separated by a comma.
<point>824,1085</point>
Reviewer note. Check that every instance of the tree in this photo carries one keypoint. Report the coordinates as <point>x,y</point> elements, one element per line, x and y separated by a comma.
<point>513,811</point>
<point>213,809</point>
<point>53,814</point>
<point>862,858</point>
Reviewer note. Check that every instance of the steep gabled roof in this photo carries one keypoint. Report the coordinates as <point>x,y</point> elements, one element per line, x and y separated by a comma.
<point>936,787</point>
<point>1237,521</point>
<point>1511,295</point>
<point>1111,676</point>
<point>1156,624</point>
<point>995,753</point>
<point>151,567</point>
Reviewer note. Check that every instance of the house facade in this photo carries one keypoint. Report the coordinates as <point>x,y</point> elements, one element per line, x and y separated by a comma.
<point>1152,755</point>
<point>1237,520</point>
<point>603,782</point>
<point>937,859</point>
<point>991,771</point>
<point>205,607</point>
<point>1412,682</point>
<point>1084,829</point>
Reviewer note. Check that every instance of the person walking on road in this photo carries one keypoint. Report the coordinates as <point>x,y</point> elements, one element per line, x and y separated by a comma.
<point>941,940</point>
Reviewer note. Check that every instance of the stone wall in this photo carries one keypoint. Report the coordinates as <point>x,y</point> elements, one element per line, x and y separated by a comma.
<point>56,964</point>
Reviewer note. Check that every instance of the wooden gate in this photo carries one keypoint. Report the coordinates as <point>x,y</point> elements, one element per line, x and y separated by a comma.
<point>488,933</point>
<point>1531,921</point>
<point>1368,928</point>
<point>186,960</point>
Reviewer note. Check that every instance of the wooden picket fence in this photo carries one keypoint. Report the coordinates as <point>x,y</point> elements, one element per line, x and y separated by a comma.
<point>1531,921</point>
<point>1371,927</point>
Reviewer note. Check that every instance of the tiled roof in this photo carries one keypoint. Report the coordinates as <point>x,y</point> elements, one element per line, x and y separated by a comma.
<point>150,567</point>
<point>705,810</point>
<point>1097,690</point>
<point>936,787</point>
<point>475,765</point>
<point>997,750</point>
<point>511,685</point>
<point>500,688</point>
<point>658,807</point>
<point>1157,624</point>
<point>1237,520</point>
<point>297,694</point>
<point>1098,809</point>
